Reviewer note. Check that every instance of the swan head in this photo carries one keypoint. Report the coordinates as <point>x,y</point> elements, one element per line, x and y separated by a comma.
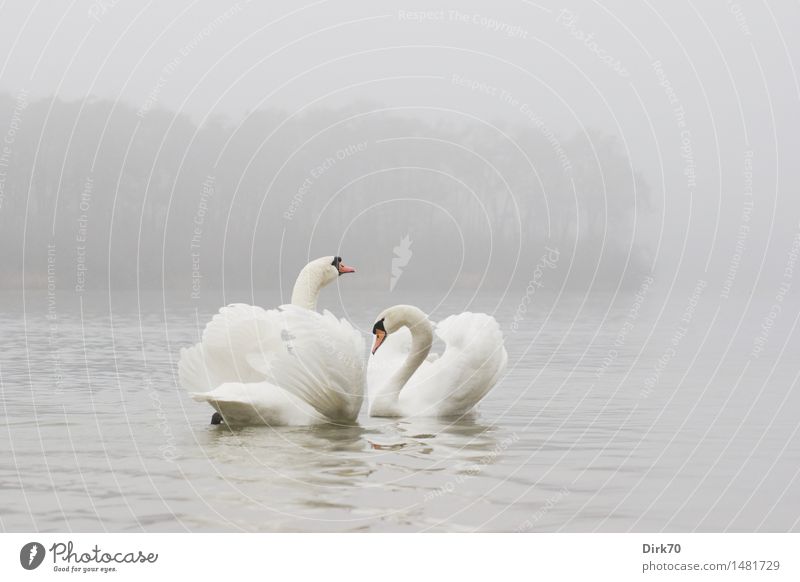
<point>327,269</point>
<point>341,268</point>
<point>392,319</point>
<point>379,331</point>
<point>315,275</point>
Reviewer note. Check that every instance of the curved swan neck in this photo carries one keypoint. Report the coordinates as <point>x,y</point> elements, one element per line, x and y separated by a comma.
<point>308,285</point>
<point>421,341</point>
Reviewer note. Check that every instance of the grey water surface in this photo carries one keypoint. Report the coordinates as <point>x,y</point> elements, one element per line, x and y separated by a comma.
<point>574,438</point>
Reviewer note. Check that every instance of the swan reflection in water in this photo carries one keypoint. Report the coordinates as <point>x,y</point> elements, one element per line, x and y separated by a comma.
<point>329,458</point>
<point>447,435</point>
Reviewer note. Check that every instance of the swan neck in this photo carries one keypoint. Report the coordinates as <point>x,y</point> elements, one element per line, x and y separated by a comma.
<point>307,287</point>
<point>421,342</point>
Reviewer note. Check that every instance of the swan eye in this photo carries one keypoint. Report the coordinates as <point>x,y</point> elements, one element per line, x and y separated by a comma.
<point>378,327</point>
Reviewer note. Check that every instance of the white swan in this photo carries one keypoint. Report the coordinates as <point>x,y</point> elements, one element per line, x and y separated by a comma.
<point>405,380</point>
<point>285,366</point>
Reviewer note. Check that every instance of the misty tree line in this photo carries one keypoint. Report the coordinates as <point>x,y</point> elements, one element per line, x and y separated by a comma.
<point>123,195</point>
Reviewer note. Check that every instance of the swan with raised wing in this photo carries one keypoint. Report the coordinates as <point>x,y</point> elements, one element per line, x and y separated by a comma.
<point>284,366</point>
<point>405,379</point>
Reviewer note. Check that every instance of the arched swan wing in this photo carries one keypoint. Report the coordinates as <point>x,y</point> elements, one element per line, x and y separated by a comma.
<point>316,357</point>
<point>471,365</point>
<point>221,355</point>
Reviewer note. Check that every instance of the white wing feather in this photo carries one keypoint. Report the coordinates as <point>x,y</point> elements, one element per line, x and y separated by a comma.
<point>221,356</point>
<point>320,360</point>
<point>453,383</point>
<point>315,357</point>
<point>473,362</point>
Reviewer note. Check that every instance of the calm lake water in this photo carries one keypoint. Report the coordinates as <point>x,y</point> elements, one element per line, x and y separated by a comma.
<point>616,414</point>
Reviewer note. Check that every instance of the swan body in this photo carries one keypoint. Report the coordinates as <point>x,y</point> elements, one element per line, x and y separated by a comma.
<point>285,366</point>
<point>405,379</point>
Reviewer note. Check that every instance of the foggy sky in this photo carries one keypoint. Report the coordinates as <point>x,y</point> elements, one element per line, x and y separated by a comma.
<point>698,95</point>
